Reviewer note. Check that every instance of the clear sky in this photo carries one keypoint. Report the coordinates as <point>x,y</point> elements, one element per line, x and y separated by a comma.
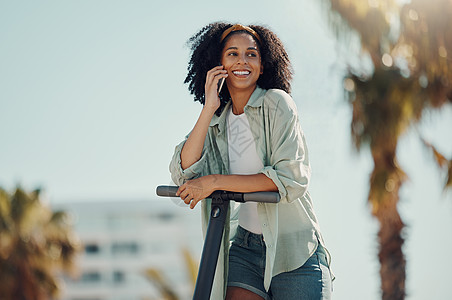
<point>92,103</point>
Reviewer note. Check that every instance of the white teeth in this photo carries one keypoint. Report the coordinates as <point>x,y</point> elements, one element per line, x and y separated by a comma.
<point>241,72</point>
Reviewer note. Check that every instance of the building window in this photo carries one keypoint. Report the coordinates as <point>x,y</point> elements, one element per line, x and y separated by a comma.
<point>91,277</point>
<point>92,249</point>
<point>120,248</point>
<point>118,277</point>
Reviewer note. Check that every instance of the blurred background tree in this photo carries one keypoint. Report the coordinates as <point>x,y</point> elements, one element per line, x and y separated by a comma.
<point>404,69</point>
<point>164,286</point>
<point>36,245</point>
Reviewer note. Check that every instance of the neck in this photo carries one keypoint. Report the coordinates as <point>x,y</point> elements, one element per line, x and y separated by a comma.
<point>240,99</point>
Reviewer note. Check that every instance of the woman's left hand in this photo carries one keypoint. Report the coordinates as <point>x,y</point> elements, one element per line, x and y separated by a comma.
<point>193,191</point>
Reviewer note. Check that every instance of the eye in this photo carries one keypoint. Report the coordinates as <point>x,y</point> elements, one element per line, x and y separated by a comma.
<point>252,54</point>
<point>232,54</point>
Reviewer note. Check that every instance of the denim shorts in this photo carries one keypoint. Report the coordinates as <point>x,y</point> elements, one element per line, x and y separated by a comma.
<point>247,267</point>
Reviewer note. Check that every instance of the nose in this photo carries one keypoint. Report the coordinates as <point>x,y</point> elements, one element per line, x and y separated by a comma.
<point>242,59</point>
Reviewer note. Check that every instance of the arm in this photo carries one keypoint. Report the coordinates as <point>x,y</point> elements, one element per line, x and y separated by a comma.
<point>188,156</point>
<point>192,149</point>
<point>197,189</point>
<point>289,162</point>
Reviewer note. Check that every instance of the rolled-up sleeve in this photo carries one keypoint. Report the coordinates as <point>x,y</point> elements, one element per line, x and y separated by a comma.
<point>289,164</point>
<point>179,175</point>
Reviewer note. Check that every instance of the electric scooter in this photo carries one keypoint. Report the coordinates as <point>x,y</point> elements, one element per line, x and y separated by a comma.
<point>214,234</point>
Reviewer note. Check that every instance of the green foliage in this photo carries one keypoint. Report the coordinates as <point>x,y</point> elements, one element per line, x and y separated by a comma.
<point>35,245</point>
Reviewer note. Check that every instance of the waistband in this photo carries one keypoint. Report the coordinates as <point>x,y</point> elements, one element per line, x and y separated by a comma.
<point>246,235</point>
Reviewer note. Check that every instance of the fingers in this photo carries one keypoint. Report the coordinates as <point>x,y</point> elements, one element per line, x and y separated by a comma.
<point>212,101</point>
<point>184,193</point>
<point>216,74</point>
<point>190,200</point>
<point>180,189</point>
<point>216,70</point>
<point>193,203</point>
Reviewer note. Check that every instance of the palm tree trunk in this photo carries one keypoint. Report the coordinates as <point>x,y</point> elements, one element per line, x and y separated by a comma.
<point>385,183</point>
<point>392,259</point>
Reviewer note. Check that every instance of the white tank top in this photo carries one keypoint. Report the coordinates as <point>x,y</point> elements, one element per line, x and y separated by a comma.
<point>243,160</point>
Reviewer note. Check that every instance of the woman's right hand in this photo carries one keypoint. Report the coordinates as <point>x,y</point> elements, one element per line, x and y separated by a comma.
<point>212,101</point>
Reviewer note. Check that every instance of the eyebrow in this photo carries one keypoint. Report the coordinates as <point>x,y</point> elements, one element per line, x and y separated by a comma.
<point>235,48</point>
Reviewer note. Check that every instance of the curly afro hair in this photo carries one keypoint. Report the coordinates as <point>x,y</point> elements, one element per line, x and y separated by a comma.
<point>206,47</point>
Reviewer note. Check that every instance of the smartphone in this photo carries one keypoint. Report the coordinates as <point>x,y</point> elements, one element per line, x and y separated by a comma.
<point>220,84</point>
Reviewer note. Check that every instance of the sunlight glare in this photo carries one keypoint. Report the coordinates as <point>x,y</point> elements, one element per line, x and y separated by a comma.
<point>413,15</point>
<point>387,60</point>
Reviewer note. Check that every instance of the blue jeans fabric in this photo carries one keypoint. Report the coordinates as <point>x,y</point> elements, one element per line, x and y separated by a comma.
<point>247,266</point>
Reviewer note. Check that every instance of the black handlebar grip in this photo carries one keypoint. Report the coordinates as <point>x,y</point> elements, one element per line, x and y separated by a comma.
<point>266,197</point>
<point>167,191</point>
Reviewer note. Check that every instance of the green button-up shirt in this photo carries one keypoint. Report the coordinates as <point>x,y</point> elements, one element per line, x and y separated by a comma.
<point>290,228</point>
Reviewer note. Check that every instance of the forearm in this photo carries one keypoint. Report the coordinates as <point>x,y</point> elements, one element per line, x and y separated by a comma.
<point>244,183</point>
<point>197,189</point>
<point>192,150</point>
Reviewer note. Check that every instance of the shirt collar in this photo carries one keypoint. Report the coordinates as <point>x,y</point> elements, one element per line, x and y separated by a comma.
<point>255,100</point>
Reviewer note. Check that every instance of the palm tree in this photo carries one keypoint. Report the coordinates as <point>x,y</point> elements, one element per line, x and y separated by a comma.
<point>161,282</point>
<point>409,47</point>
<point>35,245</point>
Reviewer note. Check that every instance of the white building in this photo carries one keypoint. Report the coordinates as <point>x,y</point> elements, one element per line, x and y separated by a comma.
<point>121,239</point>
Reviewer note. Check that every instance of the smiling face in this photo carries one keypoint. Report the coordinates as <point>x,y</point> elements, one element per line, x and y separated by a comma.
<point>242,60</point>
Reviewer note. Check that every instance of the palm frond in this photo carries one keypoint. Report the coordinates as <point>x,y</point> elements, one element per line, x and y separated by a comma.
<point>34,246</point>
<point>163,285</point>
<point>192,265</point>
<point>441,161</point>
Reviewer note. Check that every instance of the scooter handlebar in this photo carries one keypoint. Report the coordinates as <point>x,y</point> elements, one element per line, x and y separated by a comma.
<point>166,191</point>
<point>266,197</point>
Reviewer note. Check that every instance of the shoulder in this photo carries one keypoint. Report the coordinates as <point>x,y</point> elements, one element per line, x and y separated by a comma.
<point>280,101</point>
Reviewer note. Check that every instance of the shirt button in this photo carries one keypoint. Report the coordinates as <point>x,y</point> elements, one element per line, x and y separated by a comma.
<point>269,246</point>
<point>265,224</point>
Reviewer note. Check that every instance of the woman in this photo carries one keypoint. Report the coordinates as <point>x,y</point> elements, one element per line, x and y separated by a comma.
<point>248,139</point>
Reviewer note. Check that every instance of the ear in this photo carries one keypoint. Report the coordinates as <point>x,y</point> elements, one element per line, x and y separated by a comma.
<point>262,69</point>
